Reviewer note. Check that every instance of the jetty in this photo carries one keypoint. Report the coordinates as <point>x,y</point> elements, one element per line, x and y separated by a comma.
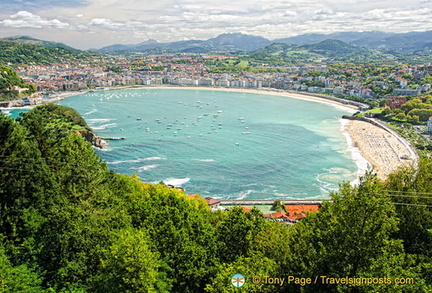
<point>112,138</point>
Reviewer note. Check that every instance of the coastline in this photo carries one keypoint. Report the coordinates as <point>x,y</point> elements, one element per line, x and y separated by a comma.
<point>266,91</point>
<point>384,158</point>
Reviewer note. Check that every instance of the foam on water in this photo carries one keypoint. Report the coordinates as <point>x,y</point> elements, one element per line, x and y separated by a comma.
<point>203,160</point>
<point>177,182</point>
<point>135,160</point>
<point>147,167</point>
<point>104,126</point>
<point>90,112</point>
<point>361,163</point>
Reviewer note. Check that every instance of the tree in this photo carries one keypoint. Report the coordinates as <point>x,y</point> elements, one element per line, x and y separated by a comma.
<point>401,116</point>
<point>409,187</point>
<point>180,229</point>
<point>236,232</point>
<point>130,265</point>
<point>249,267</point>
<point>347,237</point>
<point>17,278</point>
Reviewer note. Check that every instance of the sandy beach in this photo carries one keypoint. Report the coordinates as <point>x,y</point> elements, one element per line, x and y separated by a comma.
<point>382,149</point>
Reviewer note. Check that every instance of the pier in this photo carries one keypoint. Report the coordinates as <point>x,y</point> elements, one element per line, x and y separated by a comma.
<point>112,138</point>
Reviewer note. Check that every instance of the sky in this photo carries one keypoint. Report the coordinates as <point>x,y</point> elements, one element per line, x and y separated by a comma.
<point>85,24</point>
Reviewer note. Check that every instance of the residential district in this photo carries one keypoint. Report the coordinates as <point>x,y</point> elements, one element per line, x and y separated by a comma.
<point>355,82</point>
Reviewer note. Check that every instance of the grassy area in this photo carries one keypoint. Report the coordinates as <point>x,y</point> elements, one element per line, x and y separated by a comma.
<point>375,110</point>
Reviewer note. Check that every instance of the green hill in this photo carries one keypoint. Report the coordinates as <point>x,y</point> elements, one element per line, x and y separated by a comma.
<point>34,41</point>
<point>10,79</point>
<point>329,49</point>
<point>14,51</point>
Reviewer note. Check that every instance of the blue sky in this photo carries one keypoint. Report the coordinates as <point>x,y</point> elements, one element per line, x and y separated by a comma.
<point>96,23</point>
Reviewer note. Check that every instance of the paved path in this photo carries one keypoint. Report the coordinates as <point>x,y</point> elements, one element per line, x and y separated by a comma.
<point>271,201</point>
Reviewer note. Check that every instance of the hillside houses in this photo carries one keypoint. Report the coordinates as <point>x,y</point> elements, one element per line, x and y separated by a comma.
<point>191,70</point>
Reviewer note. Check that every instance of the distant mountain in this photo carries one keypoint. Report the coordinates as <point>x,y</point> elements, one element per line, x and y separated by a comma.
<point>393,43</point>
<point>400,43</point>
<point>334,48</point>
<point>327,49</point>
<point>238,41</point>
<point>33,41</point>
<point>232,42</point>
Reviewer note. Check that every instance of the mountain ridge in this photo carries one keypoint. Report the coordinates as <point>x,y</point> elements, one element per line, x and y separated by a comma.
<point>394,43</point>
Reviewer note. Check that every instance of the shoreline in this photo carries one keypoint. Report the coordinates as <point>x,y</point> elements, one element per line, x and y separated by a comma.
<point>363,155</point>
<point>267,91</point>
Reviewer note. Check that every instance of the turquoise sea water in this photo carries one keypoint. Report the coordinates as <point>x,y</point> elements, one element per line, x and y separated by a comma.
<point>229,145</point>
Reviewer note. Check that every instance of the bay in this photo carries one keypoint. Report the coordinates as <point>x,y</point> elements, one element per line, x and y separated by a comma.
<point>223,144</point>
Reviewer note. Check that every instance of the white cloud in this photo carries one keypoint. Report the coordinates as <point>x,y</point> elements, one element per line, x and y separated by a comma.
<point>25,19</point>
<point>111,25</point>
<point>172,20</point>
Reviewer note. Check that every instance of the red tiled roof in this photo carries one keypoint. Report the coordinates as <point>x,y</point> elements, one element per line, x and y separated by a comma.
<point>246,209</point>
<point>211,201</point>
<point>293,209</point>
<point>277,215</point>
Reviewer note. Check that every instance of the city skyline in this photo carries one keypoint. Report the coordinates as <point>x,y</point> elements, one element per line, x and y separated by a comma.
<point>85,24</point>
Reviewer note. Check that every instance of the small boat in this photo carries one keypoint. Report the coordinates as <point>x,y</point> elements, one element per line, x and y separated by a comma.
<point>246,132</point>
<point>139,119</point>
<point>237,144</point>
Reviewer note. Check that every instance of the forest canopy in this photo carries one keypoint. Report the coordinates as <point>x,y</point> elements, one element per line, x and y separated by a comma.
<point>69,224</point>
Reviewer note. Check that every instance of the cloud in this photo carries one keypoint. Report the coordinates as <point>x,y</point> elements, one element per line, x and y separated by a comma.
<point>169,20</point>
<point>25,19</point>
<point>111,25</point>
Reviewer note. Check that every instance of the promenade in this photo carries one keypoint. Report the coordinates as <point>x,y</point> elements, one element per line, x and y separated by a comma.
<point>271,201</point>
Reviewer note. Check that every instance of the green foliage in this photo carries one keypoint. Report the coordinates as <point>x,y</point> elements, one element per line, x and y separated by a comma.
<point>426,79</point>
<point>345,238</point>
<point>68,224</point>
<point>19,279</point>
<point>423,114</point>
<point>21,53</point>
<point>236,233</point>
<point>179,228</point>
<point>8,79</point>
<point>130,265</point>
<point>416,218</point>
